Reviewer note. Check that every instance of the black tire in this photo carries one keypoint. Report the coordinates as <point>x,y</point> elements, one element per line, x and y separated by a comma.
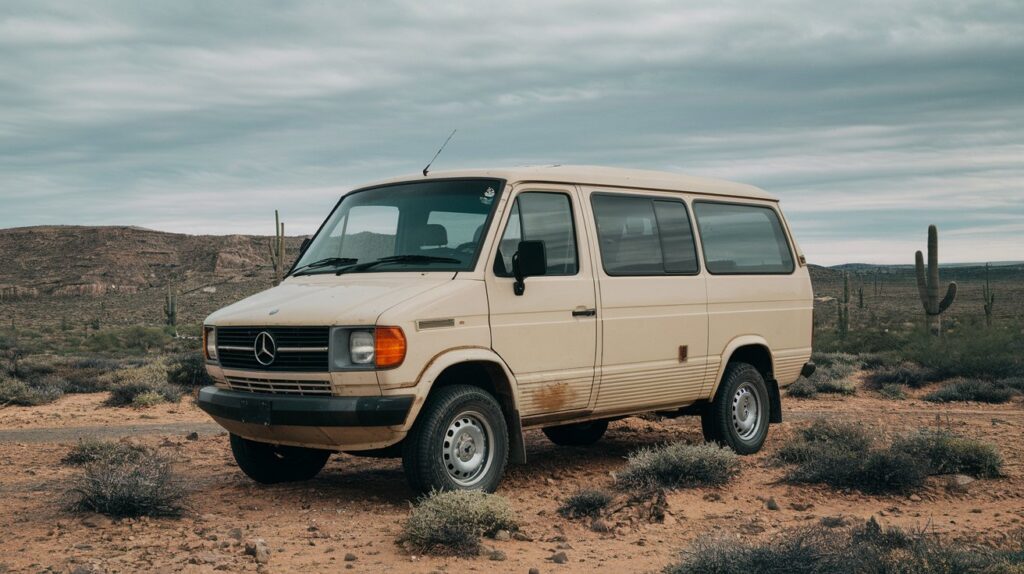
<point>743,387</point>
<point>468,416</point>
<point>269,464</point>
<point>578,434</point>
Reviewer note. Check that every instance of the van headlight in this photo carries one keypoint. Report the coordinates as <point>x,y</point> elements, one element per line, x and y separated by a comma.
<point>210,342</point>
<point>360,347</point>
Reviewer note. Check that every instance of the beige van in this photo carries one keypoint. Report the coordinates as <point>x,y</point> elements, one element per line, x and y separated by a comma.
<point>436,318</point>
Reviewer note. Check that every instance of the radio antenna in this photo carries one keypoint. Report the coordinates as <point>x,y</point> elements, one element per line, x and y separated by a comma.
<point>427,169</point>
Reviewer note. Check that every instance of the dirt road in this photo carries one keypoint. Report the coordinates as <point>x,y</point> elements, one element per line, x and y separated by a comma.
<point>357,505</point>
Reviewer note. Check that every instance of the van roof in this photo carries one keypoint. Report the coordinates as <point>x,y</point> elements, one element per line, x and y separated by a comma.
<point>602,176</point>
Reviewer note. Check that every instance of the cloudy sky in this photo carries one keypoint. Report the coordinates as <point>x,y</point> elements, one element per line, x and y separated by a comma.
<point>869,119</point>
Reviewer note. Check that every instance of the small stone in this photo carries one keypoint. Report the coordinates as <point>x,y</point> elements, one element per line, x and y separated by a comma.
<point>771,504</point>
<point>801,506</point>
<point>522,536</point>
<point>599,525</point>
<point>503,536</point>
<point>349,557</point>
<point>235,533</point>
<point>192,436</point>
<point>258,549</point>
<point>497,556</point>
<point>559,558</point>
<point>534,570</point>
<point>960,481</point>
<point>914,498</point>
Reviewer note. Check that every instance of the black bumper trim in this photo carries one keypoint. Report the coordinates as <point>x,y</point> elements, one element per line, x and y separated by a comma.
<point>808,370</point>
<point>269,410</point>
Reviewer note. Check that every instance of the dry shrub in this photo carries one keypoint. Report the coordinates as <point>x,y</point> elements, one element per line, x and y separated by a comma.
<point>960,390</point>
<point>15,391</point>
<point>92,450</point>
<point>136,485</point>
<point>832,376</point>
<point>907,374</point>
<point>893,391</point>
<point>585,503</point>
<point>188,370</point>
<point>678,465</point>
<point>451,523</point>
<point>867,548</point>
<point>948,453</point>
<point>148,381</point>
<point>843,456</point>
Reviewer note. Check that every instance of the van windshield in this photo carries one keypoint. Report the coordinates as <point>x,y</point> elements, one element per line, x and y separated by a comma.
<point>419,226</point>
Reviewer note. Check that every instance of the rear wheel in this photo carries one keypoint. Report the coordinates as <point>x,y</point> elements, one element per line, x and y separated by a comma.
<point>459,442</point>
<point>268,463</point>
<point>738,417</point>
<point>578,434</point>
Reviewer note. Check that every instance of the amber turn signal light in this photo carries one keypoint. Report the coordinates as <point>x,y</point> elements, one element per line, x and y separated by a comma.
<point>389,343</point>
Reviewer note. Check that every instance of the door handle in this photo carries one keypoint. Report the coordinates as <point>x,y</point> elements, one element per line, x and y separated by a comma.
<point>584,313</point>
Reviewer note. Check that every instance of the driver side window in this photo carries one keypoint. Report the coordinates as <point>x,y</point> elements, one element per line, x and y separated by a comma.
<point>543,216</point>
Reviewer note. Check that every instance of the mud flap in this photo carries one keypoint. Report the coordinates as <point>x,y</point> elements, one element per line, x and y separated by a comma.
<point>775,413</point>
<point>516,441</point>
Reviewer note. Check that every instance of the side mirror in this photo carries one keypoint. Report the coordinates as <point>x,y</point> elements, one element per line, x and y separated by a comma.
<point>305,243</point>
<point>529,260</point>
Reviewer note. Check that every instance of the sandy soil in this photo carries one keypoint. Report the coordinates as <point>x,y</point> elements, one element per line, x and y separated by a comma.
<point>357,506</point>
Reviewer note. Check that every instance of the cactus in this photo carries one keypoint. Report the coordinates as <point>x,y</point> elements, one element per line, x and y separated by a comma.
<point>171,307</point>
<point>990,298</point>
<point>843,308</point>
<point>928,283</point>
<point>860,297</point>
<point>277,249</point>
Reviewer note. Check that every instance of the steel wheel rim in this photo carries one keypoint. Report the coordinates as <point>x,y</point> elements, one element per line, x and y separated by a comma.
<point>747,411</point>
<point>467,448</point>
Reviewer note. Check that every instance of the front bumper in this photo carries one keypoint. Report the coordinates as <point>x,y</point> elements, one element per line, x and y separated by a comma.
<point>300,411</point>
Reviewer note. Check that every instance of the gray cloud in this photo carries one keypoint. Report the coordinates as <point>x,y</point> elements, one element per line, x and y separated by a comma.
<point>870,120</point>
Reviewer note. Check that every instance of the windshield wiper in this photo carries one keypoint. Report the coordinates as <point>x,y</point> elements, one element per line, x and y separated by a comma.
<point>324,263</point>
<point>398,259</point>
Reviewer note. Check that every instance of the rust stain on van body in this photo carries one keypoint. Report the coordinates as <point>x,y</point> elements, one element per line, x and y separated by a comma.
<point>553,398</point>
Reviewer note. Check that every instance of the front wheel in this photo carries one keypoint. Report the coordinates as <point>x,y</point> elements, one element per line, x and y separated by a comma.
<point>268,463</point>
<point>738,417</point>
<point>459,442</point>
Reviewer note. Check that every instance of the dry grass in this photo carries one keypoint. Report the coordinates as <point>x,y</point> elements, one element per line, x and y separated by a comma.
<point>451,523</point>
<point>678,465</point>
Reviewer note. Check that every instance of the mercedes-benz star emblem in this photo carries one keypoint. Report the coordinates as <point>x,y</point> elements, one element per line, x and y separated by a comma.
<point>265,348</point>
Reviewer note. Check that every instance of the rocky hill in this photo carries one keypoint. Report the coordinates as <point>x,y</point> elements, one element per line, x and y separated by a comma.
<point>72,260</point>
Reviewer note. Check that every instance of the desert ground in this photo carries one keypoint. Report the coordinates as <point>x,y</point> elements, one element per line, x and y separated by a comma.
<point>349,516</point>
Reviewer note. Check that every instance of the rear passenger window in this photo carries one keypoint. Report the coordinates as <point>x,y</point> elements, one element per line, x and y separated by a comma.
<point>742,239</point>
<point>644,235</point>
<point>544,216</point>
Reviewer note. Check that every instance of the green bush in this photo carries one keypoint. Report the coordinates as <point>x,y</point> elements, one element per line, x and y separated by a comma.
<point>867,548</point>
<point>971,351</point>
<point>586,503</point>
<point>802,389</point>
<point>893,391</point>
<point>971,390</point>
<point>908,374</point>
<point>188,370</point>
<point>148,379</point>
<point>451,523</point>
<point>134,339</point>
<point>844,456</point>
<point>948,453</point>
<point>678,465</point>
<point>143,485</point>
<point>15,391</point>
<point>93,450</point>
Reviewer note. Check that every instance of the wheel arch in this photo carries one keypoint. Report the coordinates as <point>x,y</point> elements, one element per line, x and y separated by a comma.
<point>755,351</point>
<point>478,367</point>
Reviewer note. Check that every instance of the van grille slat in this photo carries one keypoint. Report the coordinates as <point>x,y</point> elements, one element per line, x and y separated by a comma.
<point>234,344</point>
<point>279,386</point>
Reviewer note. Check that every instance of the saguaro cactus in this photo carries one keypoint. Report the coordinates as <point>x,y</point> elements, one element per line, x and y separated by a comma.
<point>277,249</point>
<point>171,307</point>
<point>843,308</point>
<point>860,297</point>
<point>928,283</point>
<point>990,298</point>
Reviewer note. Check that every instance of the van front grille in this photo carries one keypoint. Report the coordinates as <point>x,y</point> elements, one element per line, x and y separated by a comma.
<point>279,387</point>
<point>298,349</point>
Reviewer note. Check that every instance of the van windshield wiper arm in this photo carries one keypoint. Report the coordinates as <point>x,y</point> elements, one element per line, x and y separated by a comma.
<point>398,259</point>
<point>324,263</point>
